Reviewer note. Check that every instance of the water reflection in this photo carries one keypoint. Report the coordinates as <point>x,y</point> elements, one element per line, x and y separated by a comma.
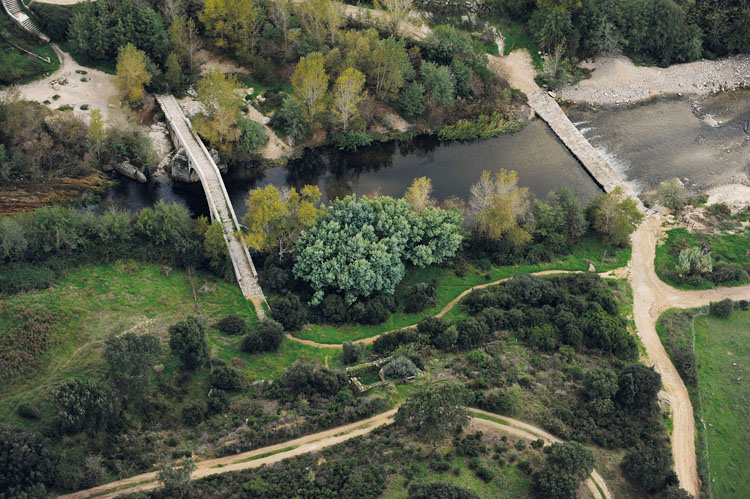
<point>542,162</point>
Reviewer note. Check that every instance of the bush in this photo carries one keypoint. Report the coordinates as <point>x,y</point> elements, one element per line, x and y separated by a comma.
<point>649,469</point>
<point>471,332</point>
<point>28,411</point>
<point>225,378</point>
<point>420,296</point>
<point>253,135</point>
<point>352,140</point>
<point>308,379</point>
<point>289,311</point>
<point>351,352</point>
<point>719,210</point>
<point>83,405</point>
<point>375,310</point>
<point>722,309</point>
<point>26,464</point>
<point>486,474</point>
<point>333,309</point>
<point>193,414</point>
<point>399,368</point>
<point>388,342</point>
<point>232,324</point>
<point>187,340</point>
<point>267,338</point>
<point>727,272</point>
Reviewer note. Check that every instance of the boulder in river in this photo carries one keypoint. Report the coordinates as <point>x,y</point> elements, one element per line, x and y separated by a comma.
<point>179,168</point>
<point>127,169</point>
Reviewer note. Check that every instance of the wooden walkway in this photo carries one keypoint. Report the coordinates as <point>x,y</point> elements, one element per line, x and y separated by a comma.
<point>218,200</point>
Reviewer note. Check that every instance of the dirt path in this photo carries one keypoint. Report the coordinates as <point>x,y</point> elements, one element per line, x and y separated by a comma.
<point>618,80</point>
<point>314,443</point>
<point>651,298</point>
<point>616,273</point>
<point>530,432</point>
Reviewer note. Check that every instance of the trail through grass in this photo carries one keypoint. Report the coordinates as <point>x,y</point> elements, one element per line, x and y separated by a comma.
<point>449,285</point>
<point>93,302</point>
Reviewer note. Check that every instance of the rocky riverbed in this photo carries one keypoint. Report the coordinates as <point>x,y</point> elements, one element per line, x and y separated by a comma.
<point>616,80</point>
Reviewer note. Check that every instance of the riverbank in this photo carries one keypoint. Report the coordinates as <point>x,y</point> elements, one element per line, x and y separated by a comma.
<point>28,196</point>
<point>617,80</point>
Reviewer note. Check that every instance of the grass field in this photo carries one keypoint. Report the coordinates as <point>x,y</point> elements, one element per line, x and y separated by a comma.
<point>94,302</point>
<point>722,348</point>
<point>725,248</point>
<point>449,286</point>
<point>17,67</point>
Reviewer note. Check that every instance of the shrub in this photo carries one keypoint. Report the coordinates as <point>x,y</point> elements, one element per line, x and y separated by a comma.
<point>399,368</point>
<point>267,338</point>
<point>649,469</point>
<point>388,342</point>
<point>471,332</point>
<point>225,378</point>
<point>26,463</point>
<point>694,261</point>
<point>351,352</point>
<point>253,135</point>
<point>728,272</point>
<point>486,474</point>
<point>83,405</point>
<point>721,309</point>
<point>193,414</point>
<point>719,210</point>
<point>420,296</point>
<point>333,309</point>
<point>232,324</point>
<point>375,310</point>
<point>352,140</point>
<point>308,379</point>
<point>187,340</point>
<point>289,311</point>
<point>28,411</point>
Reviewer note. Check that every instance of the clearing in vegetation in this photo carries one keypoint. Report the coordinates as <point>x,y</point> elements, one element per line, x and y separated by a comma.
<point>94,302</point>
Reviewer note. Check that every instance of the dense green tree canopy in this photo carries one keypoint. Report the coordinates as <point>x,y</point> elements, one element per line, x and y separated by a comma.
<point>130,358</point>
<point>187,339</point>
<point>435,410</point>
<point>361,246</point>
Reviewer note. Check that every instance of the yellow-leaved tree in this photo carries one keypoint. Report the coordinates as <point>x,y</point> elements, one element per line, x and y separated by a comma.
<point>221,104</point>
<point>496,204</point>
<point>310,84</point>
<point>233,24</point>
<point>419,194</point>
<point>132,74</point>
<point>347,94</point>
<point>276,218</point>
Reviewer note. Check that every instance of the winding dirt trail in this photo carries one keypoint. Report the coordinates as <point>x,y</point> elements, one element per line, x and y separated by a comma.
<point>616,273</point>
<point>318,441</point>
<point>651,298</point>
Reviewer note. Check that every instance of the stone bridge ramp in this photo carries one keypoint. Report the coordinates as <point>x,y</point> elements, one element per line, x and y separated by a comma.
<point>216,195</point>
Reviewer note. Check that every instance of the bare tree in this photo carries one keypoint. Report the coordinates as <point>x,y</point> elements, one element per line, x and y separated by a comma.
<point>279,13</point>
<point>396,11</point>
<point>172,9</point>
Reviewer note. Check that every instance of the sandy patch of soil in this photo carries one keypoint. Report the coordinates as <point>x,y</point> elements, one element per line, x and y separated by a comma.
<point>98,91</point>
<point>616,80</point>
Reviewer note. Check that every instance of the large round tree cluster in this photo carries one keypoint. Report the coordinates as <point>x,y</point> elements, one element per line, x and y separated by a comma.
<point>361,246</point>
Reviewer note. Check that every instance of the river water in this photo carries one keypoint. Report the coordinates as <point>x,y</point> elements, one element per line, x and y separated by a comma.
<point>705,142</point>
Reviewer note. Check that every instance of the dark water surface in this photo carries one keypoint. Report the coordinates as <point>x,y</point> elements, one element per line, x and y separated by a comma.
<point>705,142</point>
<point>542,162</point>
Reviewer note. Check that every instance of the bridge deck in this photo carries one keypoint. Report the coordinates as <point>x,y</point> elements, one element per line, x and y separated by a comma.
<point>218,199</point>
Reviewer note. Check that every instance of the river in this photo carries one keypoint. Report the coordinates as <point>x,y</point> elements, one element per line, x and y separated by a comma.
<point>705,142</point>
